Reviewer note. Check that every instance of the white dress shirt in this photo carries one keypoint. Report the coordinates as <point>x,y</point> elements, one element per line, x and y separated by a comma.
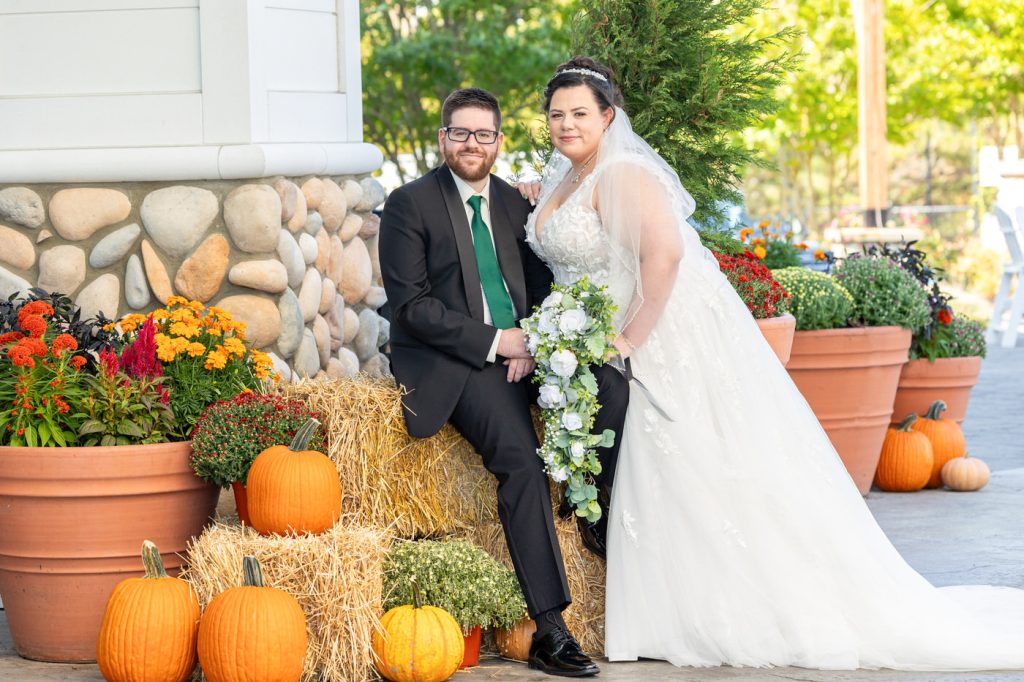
<point>465,192</point>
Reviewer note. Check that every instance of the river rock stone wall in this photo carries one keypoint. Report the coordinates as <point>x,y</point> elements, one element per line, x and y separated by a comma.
<point>293,258</point>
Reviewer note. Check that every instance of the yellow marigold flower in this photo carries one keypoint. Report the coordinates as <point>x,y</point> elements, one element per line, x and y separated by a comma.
<point>802,246</point>
<point>789,234</point>
<point>220,313</point>
<point>820,255</point>
<point>760,252</point>
<point>195,349</point>
<point>763,224</point>
<point>215,360</point>
<point>758,242</point>
<point>184,329</point>
<point>234,346</point>
<point>195,306</point>
<point>177,300</point>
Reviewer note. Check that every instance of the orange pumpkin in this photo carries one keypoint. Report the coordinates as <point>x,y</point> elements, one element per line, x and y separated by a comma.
<point>514,642</point>
<point>149,627</point>
<point>906,461</point>
<point>253,633</point>
<point>418,643</point>
<point>965,474</point>
<point>293,489</point>
<point>946,437</point>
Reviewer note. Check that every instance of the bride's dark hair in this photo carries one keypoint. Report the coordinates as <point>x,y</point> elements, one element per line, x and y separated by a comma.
<point>606,92</point>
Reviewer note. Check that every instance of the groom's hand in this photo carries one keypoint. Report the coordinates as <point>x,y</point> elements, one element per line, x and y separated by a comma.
<point>519,368</point>
<point>512,344</point>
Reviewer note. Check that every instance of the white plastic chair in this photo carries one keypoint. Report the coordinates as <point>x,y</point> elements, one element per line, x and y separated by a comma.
<point>1013,278</point>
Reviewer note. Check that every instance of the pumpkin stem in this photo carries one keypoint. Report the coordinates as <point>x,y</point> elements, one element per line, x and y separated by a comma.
<point>935,410</point>
<point>907,421</point>
<point>417,600</point>
<point>152,561</point>
<point>302,436</point>
<point>251,570</point>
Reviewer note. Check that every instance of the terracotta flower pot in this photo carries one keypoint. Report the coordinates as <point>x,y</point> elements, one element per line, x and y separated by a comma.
<point>849,378</point>
<point>946,379</point>
<point>514,643</point>
<point>472,655</point>
<point>73,521</point>
<point>241,502</point>
<point>778,332</point>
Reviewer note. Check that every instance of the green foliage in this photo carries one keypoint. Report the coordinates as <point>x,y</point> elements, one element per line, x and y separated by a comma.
<point>119,409</point>
<point>721,241</point>
<point>884,293</point>
<point>457,576</point>
<point>415,53</point>
<point>961,337</point>
<point>692,82</point>
<point>231,433</point>
<point>816,300</point>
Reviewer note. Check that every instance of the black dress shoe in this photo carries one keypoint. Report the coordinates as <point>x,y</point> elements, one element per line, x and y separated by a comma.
<point>593,537</point>
<point>558,653</point>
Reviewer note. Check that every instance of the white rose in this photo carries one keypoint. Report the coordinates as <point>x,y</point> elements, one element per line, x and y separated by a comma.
<point>560,474</point>
<point>572,421</point>
<point>577,450</point>
<point>563,362</point>
<point>533,343</point>
<point>551,396</point>
<point>553,300</point>
<point>546,323</point>
<point>572,321</point>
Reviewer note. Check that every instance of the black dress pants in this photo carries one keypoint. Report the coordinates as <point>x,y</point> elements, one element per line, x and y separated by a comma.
<point>494,416</point>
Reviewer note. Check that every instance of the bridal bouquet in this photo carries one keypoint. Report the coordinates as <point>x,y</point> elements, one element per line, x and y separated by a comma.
<point>570,331</point>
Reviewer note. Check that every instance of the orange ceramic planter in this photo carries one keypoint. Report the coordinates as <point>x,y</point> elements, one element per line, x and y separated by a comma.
<point>778,332</point>
<point>946,379</point>
<point>849,378</point>
<point>73,520</point>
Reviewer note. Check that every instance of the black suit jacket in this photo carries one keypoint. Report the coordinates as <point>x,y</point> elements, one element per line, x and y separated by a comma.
<point>438,335</point>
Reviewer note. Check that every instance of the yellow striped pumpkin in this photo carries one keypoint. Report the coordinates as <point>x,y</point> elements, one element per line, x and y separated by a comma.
<point>418,643</point>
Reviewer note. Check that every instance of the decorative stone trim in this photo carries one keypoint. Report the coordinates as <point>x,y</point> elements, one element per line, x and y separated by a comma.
<point>307,285</point>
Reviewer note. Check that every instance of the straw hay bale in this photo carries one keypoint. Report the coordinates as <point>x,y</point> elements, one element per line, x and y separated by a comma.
<point>335,576</point>
<point>422,487</point>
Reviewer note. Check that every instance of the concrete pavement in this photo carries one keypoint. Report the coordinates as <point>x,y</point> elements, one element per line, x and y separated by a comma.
<point>951,538</point>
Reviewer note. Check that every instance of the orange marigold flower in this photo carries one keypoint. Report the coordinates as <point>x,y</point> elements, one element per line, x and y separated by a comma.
<point>801,246</point>
<point>746,232</point>
<point>64,342</point>
<point>77,362</point>
<point>820,255</point>
<point>177,300</point>
<point>184,329</point>
<point>195,349</point>
<point>763,224</point>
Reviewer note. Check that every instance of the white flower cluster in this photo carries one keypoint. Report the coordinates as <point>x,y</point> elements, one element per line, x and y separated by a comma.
<point>570,331</point>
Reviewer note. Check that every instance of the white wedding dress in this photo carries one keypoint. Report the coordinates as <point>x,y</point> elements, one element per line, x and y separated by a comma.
<point>736,536</point>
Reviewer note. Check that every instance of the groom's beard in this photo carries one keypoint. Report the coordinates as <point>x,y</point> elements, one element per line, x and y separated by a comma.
<point>471,167</point>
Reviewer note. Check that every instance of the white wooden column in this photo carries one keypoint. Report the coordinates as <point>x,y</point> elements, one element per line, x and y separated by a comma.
<point>871,110</point>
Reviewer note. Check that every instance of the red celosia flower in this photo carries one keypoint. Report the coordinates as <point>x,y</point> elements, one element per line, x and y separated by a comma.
<point>35,308</point>
<point>34,346</point>
<point>945,317</point>
<point>108,361</point>
<point>139,359</point>
<point>64,342</point>
<point>20,357</point>
<point>77,362</point>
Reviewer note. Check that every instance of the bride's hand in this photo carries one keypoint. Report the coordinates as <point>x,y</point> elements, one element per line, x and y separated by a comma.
<point>529,190</point>
<point>624,348</point>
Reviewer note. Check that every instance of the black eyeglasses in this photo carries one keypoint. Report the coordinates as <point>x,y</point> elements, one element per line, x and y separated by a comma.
<point>462,134</point>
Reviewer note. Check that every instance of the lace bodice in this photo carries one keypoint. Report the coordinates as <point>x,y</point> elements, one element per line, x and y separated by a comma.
<point>572,241</point>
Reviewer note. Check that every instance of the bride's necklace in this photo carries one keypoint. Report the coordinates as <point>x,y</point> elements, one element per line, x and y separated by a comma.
<point>576,178</point>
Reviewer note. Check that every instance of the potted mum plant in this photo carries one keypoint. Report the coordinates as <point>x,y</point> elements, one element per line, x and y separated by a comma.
<point>93,457</point>
<point>754,283</point>
<point>231,433</point>
<point>849,350</point>
<point>459,577</point>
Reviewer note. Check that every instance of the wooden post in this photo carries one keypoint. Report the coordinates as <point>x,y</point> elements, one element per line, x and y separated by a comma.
<point>874,172</point>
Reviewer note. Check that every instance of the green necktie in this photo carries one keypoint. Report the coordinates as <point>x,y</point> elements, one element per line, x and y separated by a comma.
<point>490,274</point>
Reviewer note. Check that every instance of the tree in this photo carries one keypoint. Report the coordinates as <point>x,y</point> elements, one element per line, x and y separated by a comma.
<point>690,81</point>
<point>415,52</point>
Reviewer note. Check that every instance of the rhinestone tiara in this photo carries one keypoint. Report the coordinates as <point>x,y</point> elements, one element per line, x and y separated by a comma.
<point>585,72</point>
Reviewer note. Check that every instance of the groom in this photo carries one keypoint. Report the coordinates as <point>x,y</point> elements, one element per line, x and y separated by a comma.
<point>459,275</point>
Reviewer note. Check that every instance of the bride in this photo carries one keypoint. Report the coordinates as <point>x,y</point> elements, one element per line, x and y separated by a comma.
<point>735,534</point>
